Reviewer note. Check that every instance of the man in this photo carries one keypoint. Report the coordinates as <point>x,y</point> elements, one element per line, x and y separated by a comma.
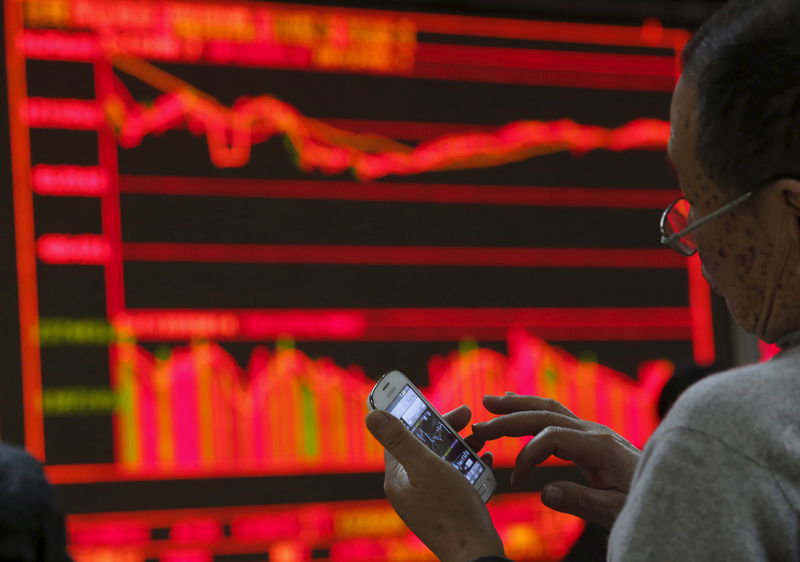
<point>31,525</point>
<point>720,478</point>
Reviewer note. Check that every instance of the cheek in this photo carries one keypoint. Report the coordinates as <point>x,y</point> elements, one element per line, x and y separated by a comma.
<point>703,194</point>
<point>739,269</point>
<point>729,255</point>
<point>715,251</point>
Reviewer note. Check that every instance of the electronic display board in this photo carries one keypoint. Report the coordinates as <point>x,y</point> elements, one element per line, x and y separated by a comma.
<point>232,217</point>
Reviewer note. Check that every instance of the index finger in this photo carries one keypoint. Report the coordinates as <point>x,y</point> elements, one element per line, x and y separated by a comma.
<point>458,418</point>
<point>580,447</point>
<point>518,403</point>
<point>519,424</point>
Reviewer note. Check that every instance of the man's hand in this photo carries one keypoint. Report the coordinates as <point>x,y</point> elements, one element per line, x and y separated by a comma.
<point>606,459</point>
<point>437,503</point>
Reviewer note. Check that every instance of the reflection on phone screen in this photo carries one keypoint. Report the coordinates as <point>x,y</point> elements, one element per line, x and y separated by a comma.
<point>426,425</point>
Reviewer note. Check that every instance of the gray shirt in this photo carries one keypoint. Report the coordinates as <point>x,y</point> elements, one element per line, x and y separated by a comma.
<point>720,478</point>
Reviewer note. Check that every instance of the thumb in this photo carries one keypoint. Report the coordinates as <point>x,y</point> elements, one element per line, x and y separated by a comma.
<point>596,506</point>
<point>398,441</point>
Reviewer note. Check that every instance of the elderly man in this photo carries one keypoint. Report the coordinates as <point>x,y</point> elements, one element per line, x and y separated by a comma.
<point>720,479</point>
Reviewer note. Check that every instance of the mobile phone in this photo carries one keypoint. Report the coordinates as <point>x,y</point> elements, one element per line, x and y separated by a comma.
<point>396,394</point>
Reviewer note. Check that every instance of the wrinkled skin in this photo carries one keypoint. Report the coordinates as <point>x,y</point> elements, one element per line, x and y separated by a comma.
<point>606,459</point>
<point>751,255</point>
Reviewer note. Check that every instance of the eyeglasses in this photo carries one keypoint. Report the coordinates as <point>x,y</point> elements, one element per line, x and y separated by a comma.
<point>676,229</point>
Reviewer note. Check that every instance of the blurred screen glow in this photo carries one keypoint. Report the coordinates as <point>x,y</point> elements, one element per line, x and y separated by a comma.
<point>232,217</point>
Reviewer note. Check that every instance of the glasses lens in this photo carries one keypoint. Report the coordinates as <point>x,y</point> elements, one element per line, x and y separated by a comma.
<point>678,220</point>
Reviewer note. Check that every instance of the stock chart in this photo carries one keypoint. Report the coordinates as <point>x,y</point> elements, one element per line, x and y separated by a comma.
<point>232,217</point>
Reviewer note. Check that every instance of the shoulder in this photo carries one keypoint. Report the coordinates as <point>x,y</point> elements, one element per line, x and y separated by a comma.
<point>749,408</point>
<point>694,497</point>
<point>20,474</point>
<point>13,457</point>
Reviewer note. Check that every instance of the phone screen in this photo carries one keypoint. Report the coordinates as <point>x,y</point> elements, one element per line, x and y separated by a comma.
<point>426,425</point>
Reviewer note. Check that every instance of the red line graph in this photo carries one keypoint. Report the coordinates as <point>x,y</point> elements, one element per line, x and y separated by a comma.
<point>153,120</point>
<point>407,130</point>
<point>231,132</point>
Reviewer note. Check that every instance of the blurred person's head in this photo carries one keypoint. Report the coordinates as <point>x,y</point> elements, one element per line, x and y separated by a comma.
<point>683,377</point>
<point>736,128</point>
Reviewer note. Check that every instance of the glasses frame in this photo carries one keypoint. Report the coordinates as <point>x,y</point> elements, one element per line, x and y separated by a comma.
<point>672,240</point>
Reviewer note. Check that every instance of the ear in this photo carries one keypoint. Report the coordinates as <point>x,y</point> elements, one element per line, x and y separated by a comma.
<point>790,190</point>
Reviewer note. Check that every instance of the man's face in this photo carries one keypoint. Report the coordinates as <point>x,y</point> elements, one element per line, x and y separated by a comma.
<point>740,256</point>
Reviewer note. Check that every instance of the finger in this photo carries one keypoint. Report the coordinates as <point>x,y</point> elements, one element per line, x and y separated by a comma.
<point>458,418</point>
<point>409,451</point>
<point>518,424</point>
<point>488,458</point>
<point>574,445</point>
<point>474,443</point>
<point>598,506</point>
<point>516,403</point>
